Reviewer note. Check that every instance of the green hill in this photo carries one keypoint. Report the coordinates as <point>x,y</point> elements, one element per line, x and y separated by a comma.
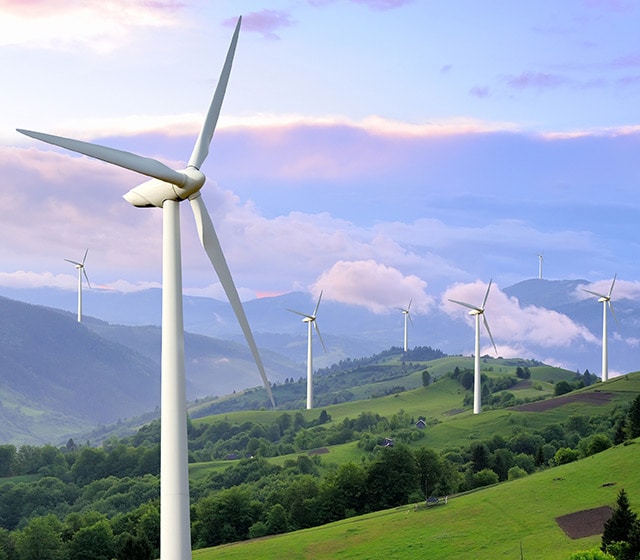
<point>486,524</point>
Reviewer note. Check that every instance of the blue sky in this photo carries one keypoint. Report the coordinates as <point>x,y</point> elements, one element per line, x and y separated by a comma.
<point>380,150</point>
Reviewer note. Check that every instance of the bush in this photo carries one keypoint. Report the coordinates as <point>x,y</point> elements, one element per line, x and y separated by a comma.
<point>591,555</point>
<point>516,472</point>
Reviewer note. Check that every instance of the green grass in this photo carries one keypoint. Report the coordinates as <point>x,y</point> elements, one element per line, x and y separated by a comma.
<point>486,524</point>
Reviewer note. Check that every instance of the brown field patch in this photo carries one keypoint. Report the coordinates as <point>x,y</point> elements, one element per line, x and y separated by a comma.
<point>585,523</point>
<point>319,451</point>
<point>524,384</point>
<point>595,398</point>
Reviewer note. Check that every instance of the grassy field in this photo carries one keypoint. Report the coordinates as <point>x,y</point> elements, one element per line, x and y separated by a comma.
<point>487,524</point>
<point>443,402</point>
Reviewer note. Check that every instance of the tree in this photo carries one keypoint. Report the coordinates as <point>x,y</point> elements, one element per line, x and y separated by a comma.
<point>565,455</point>
<point>622,524</point>
<point>426,378</point>
<point>40,539</point>
<point>562,387</point>
<point>633,419</point>
<point>93,543</point>
<point>392,478</point>
<point>277,520</point>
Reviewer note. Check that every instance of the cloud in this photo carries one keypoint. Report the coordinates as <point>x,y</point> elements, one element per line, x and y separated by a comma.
<point>266,22</point>
<point>535,80</point>
<point>99,26</point>
<point>513,325</point>
<point>622,289</point>
<point>480,91</point>
<point>373,285</point>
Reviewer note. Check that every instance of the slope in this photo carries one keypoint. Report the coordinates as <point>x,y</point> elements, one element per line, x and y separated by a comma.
<point>511,520</point>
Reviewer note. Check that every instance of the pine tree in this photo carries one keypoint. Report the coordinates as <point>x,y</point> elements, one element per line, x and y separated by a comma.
<point>622,525</point>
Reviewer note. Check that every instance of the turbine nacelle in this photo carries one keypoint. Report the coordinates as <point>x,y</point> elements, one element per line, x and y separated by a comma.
<point>156,192</point>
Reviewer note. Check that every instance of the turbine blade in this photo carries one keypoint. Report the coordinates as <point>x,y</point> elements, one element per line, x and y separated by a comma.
<point>315,311</point>
<point>410,319</point>
<point>73,262</point>
<point>319,335</point>
<point>86,277</point>
<point>211,244</point>
<point>484,301</point>
<point>612,284</point>
<point>133,162</point>
<point>594,293</point>
<point>486,326</point>
<point>465,305</point>
<point>307,316</point>
<point>613,312</point>
<point>201,148</point>
<point>85,257</point>
<point>409,306</point>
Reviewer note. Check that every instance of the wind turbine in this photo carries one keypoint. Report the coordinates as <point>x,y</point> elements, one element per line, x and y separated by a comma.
<point>81,271</point>
<point>540,259</point>
<point>606,301</point>
<point>310,320</point>
<point>166,189</point>
<point>478,311</point>
<point>407,318</point>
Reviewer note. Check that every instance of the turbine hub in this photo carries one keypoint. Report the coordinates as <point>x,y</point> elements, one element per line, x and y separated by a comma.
<point>155,191</point>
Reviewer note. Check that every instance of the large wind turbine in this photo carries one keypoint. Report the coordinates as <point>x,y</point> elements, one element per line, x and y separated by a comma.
<point>310,320</point>
<point>606,301</point>
<point>81,271</point>
<point>166,189</point>
<point>407,318</point>
<point>478,311</point>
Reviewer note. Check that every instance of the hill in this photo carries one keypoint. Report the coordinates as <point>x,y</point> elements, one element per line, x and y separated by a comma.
<point>59,377</point>
<point>515,519</point>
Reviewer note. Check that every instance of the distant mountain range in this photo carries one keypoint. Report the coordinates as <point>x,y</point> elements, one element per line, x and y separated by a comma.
<point>57,372</point>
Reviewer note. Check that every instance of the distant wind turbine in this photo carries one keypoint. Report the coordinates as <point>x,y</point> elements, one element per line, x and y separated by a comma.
<point>166,189</point>
<point>478,311</point>
<point>81,271</point>
<point>407,318</point>
<point>540,259</point>
<point>310,320</point>
<point>606,302</point>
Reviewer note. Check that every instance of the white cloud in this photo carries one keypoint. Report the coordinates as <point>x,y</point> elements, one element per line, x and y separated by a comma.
<point>514,325</point>
<point>94,24</point>
<point>373,285</point>
<point>622,289</point>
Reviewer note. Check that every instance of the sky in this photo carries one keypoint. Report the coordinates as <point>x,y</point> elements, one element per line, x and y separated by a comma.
<point>383,151</point>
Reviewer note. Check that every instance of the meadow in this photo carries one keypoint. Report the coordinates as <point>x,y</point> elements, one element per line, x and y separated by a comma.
<point>515,519</point>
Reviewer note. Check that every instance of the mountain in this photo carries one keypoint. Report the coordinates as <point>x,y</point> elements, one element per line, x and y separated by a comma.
<point>58,376</point>
<point>351,331</point>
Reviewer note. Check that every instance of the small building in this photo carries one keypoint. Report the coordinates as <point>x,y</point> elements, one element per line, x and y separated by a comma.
<point>421,424</point>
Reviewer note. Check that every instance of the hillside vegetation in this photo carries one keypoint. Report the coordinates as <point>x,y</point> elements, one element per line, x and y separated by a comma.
<point>516,519</point>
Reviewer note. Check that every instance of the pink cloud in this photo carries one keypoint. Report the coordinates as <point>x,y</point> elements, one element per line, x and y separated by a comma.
<point>373,285</point>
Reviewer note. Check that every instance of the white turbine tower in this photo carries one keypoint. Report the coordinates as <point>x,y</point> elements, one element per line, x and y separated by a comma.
<point>407,317</point>
<point>166,189</point>
<point>310,320</point>
<point>540,260</point>
<point>606,301</point>
<point>81,271</point>
<point>478,311</point>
